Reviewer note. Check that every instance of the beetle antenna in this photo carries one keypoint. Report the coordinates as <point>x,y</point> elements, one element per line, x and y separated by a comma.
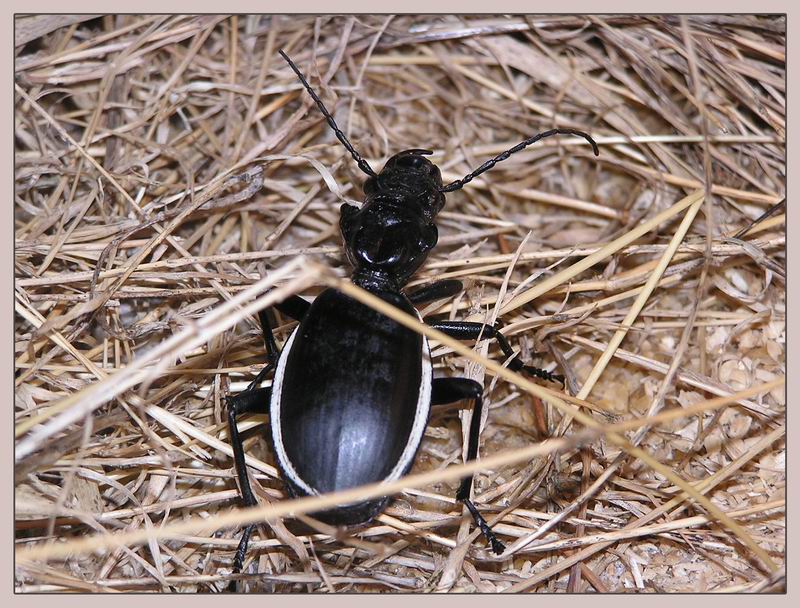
<point>458,184</point>
<point>362,164</point>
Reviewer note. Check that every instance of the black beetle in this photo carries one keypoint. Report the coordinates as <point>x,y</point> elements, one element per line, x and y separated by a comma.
<point>332,430</point>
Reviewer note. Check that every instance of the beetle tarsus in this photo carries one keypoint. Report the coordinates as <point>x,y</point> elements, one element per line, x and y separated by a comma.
<point>497,547</point>
<point>517,366</point>
<point>241,550</point>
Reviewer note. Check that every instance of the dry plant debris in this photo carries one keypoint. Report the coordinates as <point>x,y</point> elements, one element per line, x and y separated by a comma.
<point>172,178</point>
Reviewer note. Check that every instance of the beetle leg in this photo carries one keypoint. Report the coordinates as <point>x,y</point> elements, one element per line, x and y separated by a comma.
<point>464,330</point>
<point>294,307</point>
<point>254,399</point>
<point>272,353</point>
<point>435,291</point>
<point>248,401</point>
<point>449,390</point>
<point>258,379</point>
<point>269,340</point>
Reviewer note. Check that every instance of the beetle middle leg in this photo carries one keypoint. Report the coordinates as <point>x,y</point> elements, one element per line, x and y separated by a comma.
<point>450,390</point>
<point>294,307</point>
<point>465,330</point>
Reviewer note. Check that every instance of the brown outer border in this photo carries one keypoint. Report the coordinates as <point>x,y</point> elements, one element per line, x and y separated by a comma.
<point>384,6</point>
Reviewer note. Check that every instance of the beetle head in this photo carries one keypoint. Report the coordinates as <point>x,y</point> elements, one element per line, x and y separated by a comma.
<point>412,180</point>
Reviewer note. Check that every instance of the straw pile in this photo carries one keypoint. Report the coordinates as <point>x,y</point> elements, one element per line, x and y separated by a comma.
<point>172,177</point>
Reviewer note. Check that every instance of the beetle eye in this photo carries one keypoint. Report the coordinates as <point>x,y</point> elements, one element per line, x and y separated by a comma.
<point>412,161</point>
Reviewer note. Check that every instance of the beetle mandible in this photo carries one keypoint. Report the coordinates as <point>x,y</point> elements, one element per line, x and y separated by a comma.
<point>331,430</point>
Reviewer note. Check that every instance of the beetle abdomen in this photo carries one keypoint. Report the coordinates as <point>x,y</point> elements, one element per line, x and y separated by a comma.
<point>350,399</point>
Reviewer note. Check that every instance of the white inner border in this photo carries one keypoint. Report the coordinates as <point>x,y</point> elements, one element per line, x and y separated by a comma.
<point>417,430</point>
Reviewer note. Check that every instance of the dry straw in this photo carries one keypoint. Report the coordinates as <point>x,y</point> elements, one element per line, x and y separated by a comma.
<point>173,178</point>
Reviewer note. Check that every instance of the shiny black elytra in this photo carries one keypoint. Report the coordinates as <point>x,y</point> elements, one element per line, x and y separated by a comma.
<point>352,389</point>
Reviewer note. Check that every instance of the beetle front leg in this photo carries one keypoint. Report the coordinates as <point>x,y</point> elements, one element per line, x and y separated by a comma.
<point>438,290</point>
<point>465,330</point>
<point>450,390</point>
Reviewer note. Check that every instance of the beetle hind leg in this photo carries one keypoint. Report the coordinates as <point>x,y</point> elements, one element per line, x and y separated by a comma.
<point>255,400</point>
<point>252,400</point>
<point>449,390</point>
